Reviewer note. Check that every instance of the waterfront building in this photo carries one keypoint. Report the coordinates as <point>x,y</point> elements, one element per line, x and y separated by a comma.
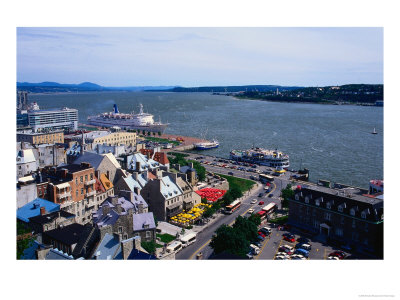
<point>53,119</point>
<point>37,138</point>
<point>376,187</point>
<point>106,137</point>
<point>342,216</point>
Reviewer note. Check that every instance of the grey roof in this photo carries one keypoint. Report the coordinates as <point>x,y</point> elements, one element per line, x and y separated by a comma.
<point>102,219</point>
<point>93,158</point>
<point>139,220</point>
<point>55,254</point>
<point>107,248</point>
<point>184,169</point>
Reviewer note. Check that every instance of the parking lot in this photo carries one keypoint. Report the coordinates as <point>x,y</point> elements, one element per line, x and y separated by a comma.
<point>270,247</point>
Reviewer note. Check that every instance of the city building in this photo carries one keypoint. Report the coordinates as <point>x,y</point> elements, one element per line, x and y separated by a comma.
<point>138,162</point>
<point>75,239</point>
<point>344,216</point>
<point>36,208</point>
<point>106,137</point>
<point>164,197</point>
<point>53,119</point>
<point>26,162</point>
<point>26,190</point>
<point>120,216</point>
<point>49,221</point>
<point>37,138</point>
<point>376,187</point>
<point>104,189</point>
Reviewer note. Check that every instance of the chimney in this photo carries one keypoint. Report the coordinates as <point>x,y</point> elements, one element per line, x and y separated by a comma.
<point>97,174</point>
<point>114,200</point>
<point>83,143</point>
<point>42,211</point>
<point>136,191</point>
<point>118,208</point>
<point>106,209</point>
<point>140,208</point>
<point>137,166</point>
<point>190,164</point>
<point>127,247</point>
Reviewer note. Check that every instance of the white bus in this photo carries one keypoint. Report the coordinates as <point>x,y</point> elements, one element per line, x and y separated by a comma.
<point>174,247</point>
<point>232,207</point>
<point>188,239</point>
<point>270,208</point>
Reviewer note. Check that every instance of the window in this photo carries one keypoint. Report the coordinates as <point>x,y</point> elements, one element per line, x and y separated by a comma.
<point>340,208</point>
<point>317,202</point>
<point>306,199</point>
<point>76,193</point>
<point>82,191</point>
<point>315,224</point>
<point>86,177</point>
<point>148,234</point>
<point>355,236</point>
<point>76,181</point>
<point>363,215</point>
<point>328,205</point>
<point>339,231</point>
<point>81,179</point>
<point>352,212</point>
<point>91,176</point>
<point>327,216</point>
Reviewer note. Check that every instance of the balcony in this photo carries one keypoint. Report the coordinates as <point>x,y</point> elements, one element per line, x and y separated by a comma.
<point>89,194</point>
<point>90,182</point>
<point>64,195</point>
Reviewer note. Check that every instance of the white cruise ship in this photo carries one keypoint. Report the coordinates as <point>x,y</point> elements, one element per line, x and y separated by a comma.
<point>270,158</point>
<point>140,121</point>
<point>206,145</point>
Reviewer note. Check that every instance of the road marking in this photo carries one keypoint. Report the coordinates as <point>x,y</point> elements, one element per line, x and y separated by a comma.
<point>278,248</point>
<point>258,256</point>
<point>325,253</point>
<point>191,257</point>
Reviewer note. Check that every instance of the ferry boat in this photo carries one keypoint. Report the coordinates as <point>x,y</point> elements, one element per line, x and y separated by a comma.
<point>140,121</point>
<point>206,145</point>
<point>270,158</point>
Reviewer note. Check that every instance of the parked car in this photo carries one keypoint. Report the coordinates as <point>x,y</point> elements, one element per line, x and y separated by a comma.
<point>286,248</point>
<point>254,201</point>
<point>270,195</point>
<point>269,230</point>
<point>333,257</point>
<point>262,234</point>
<point>303,240</point>
<point>258,244</point>
<point>281,257</point>
<point>250,211</point>
<point>297,256</point>
<point>249,255</point>
<point>261,203</point>
<point>339,254</point>
<point>260,238</point>
<point>289,237</point>
<point>265,231</point>
<point>302,252</point>
<point>303,246</point>
<point>230,173</point>
<point>260,194</point>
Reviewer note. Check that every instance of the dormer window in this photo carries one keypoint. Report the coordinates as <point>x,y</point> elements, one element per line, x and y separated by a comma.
<point>317,202</point>
<point>307,199</point>
<point>340,208</point>
<point>328,205</point>
<point>296,197</point>
<point>363,215</point>
<point>352,212</point>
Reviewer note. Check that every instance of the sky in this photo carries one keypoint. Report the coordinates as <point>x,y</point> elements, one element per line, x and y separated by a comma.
<point>201,56</point>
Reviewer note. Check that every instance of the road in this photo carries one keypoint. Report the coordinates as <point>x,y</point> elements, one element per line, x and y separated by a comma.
<point>204,237</point>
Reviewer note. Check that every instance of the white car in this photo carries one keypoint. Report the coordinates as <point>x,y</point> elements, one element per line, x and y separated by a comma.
<point>282,254</point>
<point>250,211</point>
<point>297,256</point>
<point>254,201</point>
<point>281,257</point>
<point>333,257</point>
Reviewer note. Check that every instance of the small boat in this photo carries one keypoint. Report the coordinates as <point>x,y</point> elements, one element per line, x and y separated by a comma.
<point>374,132</point>
<point>206,145</point>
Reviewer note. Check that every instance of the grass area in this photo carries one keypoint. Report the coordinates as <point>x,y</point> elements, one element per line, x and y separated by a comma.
<point>243,184</point>
<point>160,140</point>
<point>165,238</point>
<point>280,221</point>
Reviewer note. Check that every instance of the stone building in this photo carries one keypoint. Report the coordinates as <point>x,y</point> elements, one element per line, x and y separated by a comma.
<point>106,137</point>
<point>340,216</point>
<point>37,138</point>
<point>26,162</point>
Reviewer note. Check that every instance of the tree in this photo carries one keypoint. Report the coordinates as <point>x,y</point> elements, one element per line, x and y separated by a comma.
<point>246,227</point>
<point>149,246</point>
<point>159,133</point>
<point>235,192</point>
<point>155,220</point>
<point>287,193</point>
<point>256,219</point>
<point>227,198</point>
<point>230,240</point>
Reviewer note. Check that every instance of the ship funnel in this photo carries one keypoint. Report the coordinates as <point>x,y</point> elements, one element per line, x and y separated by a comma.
<point>116,109</point>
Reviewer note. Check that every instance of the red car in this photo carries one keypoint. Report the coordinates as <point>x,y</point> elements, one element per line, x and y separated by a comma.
<point>261,203</point>
<point>289,237</point>
<point>339,254</point>
<point>262,234</point>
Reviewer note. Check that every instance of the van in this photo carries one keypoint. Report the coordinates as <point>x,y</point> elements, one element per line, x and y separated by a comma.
<point>174,247</point>
<point>188,239</point>
<point>255,249</point>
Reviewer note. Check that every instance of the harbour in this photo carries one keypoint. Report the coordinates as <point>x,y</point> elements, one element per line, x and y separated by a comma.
<point>333,141</point>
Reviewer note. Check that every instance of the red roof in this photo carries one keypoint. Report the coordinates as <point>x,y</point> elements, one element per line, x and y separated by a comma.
<point>161,157</point>
<point>151,176</point>
<point>211,194</point>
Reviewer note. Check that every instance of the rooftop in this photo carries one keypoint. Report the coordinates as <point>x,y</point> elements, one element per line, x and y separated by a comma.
<point>32,209</point>
<point>50,217</point>
<point>68,235</point>
<point>140,221</point>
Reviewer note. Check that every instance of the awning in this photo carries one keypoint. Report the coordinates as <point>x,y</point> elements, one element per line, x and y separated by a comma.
<point>173,206</point>
<point>63,185</point>
<point>188,200</point>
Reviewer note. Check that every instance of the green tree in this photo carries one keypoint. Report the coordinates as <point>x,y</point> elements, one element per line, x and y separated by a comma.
<point>159,133</point>
<point>256,219</point>
<point>287,193</point>
<point>149,246</point>
<point>227,198</point>
<point>235,192</point>
<point>246,227</point>
<point>230,240</point>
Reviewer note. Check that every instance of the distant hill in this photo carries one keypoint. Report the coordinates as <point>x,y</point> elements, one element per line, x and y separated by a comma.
<point>233,88</point>
<point>55,87</point>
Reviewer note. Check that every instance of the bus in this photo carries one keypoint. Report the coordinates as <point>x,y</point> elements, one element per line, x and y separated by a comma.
<point>188,239</point>
<point>270,208</point>
<point>174,247</point>
<point>262,214</point>
<point>232,207</point>
<point>265,178</point>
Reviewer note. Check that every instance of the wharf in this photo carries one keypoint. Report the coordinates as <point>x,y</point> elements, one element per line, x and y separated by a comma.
<point>187,143</point>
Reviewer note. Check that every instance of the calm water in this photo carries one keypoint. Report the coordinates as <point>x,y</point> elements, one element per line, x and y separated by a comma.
<point>334,142</point>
